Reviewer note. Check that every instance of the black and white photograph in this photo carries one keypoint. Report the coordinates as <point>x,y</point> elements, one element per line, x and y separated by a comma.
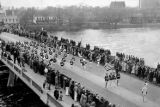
<point>79,53</point>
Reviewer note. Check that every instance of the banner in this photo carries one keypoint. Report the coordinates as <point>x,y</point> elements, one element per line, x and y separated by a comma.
<point>109,67</point>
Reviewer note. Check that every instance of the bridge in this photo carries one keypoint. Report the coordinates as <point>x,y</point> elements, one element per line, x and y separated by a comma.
<point>35,82</point>
<point>128,94</point>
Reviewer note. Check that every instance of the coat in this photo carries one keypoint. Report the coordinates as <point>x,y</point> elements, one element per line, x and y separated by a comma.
<point>83,100</point>
<point>56,94</point>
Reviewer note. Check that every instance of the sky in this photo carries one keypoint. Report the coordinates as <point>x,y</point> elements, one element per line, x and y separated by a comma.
<point>45,3</point>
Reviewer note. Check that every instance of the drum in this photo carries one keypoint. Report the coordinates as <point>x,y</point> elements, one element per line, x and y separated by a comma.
<point>62,63</point>
<point>50,52</point>
<point>46,56</point>
<point>41,54</point>
<point>45,51</point>
<point>71,62</point>
<point>54,60</point>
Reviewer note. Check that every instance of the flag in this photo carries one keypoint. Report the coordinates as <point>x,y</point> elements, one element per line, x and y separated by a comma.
<point>79,55</point>
<point>108,67</point>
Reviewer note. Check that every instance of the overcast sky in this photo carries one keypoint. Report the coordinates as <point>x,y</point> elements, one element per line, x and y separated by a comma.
<point>45,3</point>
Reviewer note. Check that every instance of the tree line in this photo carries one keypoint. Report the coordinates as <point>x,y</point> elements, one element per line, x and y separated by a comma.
<point>85,15</point>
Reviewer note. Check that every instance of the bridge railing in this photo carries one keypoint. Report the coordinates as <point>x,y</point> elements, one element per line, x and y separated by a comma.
<point>50,100</point>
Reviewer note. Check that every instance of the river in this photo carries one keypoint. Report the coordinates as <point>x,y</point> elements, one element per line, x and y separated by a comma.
<point>140,42</point>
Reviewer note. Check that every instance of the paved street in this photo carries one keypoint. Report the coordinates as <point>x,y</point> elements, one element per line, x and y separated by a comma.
<point>128,94</point>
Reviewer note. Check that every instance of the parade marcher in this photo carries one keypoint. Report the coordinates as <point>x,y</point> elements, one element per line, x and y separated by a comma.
<point>50,52</point>
<point>62,63</point>
<point>114,79</point>
<point>110,79</point>
<point>106,80</point>
<point>118,78</point>
<point>83,62</point>
<point>98,60</point>
<point>71,62</point>
<point>144,91</point>
<point>46,56</point>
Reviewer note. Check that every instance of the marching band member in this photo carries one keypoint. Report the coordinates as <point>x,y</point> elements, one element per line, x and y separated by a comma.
<point>114,78</point>
<point>50,52</point>
<point>118,78</point>
<point>98,60</point>
<point>83,63</point>
<point>110,79</point>
<point>71,62</point>
<point>106,80</point>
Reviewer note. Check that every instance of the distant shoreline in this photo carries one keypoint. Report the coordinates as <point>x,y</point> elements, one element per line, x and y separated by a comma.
<point>51,28</point>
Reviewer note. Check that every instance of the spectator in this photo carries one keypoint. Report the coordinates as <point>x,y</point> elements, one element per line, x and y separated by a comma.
<point>56,94</point>
<point>60,96</point>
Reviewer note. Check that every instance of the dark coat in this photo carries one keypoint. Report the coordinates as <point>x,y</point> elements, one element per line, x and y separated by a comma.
<point>56,94</point>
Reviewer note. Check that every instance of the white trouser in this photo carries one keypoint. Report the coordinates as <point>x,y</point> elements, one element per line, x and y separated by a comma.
<point>67,90</point>
<point>75,96</point>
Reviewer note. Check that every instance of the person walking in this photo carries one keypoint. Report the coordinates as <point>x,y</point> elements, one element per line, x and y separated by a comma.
<point>106,80</point>
<point>118,76</point>
<point>144,91</point>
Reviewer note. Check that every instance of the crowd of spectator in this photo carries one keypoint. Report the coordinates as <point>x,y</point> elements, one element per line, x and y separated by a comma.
<point>136,66</point>
<point>30,56</point>
<point>121,62</point>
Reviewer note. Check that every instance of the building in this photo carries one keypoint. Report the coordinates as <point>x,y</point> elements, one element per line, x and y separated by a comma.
<point>118,4</point>
<point>2,12</point>
<point>45,20</point>
<point>149,3</point>
<point>8,17</point>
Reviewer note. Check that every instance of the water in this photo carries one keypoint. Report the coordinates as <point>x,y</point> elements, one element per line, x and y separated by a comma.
<point>140,42</point>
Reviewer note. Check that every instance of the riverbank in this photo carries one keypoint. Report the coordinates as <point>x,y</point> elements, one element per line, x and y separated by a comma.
<point>51,28</point>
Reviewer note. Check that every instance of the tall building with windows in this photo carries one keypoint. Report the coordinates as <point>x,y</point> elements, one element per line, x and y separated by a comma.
<point>149,3</point>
